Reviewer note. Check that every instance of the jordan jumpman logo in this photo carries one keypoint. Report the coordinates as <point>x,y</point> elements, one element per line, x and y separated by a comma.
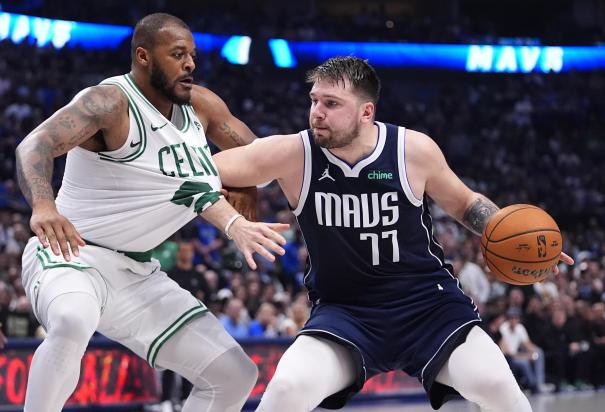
<point>326,173</point>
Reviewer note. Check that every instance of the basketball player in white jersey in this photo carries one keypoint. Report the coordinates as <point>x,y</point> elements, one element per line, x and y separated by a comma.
<point>383,297</point>
<point>138,168</point>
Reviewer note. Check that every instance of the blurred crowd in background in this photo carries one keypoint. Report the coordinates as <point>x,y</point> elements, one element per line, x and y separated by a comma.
<point>530,138</point>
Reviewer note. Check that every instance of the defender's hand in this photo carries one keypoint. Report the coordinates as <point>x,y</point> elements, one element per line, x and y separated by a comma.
<point>258,237</point>
<point>243,199</point>
<point>54,230</point>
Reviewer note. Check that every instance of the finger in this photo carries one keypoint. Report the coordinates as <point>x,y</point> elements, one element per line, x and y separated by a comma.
<point>52,239</point>
<point>555,270</point>
<point>41,236</point>
<point>225,192</point>
<point>264,253</point>
<point>62,240</point>
<point>566,258</point>
<point>74,240</point>
<point>272,246</point>
<point>278,227</point>
<point>274,236</point>
<point>250,260</point>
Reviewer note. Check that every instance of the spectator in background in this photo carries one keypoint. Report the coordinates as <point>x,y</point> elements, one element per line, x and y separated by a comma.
<point>521,352</point>
<point>186,274</point>
<point>265,324</point>
<point>598,343</point>
<point>536,321</point>
<point>232,319</point>
<point>516,298</point>
<point>298,314</point>
<point>473,280</point>
<point>208,244</point>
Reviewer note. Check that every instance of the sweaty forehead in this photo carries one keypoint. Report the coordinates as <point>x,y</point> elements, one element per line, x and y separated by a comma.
<point>172,35</point>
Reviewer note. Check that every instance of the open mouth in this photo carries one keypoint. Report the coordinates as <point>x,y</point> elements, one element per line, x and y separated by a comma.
<point>186,82</point>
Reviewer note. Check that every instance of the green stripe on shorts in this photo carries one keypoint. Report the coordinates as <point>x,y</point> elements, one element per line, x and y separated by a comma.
<point>48,261</point>
<point>158,342</point>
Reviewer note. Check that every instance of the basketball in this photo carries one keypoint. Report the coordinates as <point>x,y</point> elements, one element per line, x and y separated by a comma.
<point>521,244</point>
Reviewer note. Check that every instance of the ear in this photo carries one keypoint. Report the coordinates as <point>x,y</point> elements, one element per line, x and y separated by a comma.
<point>368,112</point>
<point>142,57</point>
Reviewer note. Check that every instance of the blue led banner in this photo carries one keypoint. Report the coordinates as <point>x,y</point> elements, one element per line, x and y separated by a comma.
<point>471,58</point>
<point>236,49</point>
<point>62,33</point>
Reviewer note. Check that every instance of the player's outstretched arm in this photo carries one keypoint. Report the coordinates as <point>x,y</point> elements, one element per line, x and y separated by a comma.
<point>92,110</point>
<point>223,128</point>
<point>226,131</point>
<point>473,210</point>
<point>250,237</point>
<point>269,158</point>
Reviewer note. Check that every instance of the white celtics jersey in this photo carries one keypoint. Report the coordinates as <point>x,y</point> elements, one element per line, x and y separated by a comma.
<point>135,197</point>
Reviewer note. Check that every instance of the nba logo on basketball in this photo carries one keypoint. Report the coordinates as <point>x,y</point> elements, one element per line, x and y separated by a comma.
<point>541,246</point>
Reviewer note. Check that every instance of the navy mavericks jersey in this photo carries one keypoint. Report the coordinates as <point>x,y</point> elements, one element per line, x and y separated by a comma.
<point>370,240</point>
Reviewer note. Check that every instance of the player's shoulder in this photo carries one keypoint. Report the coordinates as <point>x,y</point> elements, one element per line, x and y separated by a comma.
<point>103,100</point>
<point>107,93</point>
<point>420,146</point>
<point>203,97</point>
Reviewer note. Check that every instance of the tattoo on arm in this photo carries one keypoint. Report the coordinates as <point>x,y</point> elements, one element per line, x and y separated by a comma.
<point>34,171</point>
<point>232,135</point>
<point>478,214</point>
<point>71,126</point>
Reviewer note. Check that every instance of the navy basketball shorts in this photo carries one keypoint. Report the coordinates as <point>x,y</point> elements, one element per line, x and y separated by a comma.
<point>416,334</point>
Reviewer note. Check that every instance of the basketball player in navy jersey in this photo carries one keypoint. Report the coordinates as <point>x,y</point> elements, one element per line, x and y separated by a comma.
<point>383,297</point>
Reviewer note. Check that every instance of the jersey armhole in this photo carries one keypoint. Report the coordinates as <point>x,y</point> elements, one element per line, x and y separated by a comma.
<point>403,177</point>
<point>304,190</point>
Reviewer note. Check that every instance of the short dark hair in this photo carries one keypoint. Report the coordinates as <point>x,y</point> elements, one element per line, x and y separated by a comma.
<point>360,74</point>
<point>147,28</point>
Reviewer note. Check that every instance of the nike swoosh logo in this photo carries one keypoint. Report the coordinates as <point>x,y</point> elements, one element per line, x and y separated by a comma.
<point>133,144</point>
<point>154,128</point>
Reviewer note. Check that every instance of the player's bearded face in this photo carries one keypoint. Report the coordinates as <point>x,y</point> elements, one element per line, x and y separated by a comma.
<point>331,138</point>
<point>159,80</point>
<point>335,114</point>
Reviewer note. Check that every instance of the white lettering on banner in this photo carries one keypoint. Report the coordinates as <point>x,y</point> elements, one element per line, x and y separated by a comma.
<point>511,59</point>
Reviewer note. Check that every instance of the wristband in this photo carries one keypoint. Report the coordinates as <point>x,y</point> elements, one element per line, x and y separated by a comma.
<point>230,223</point>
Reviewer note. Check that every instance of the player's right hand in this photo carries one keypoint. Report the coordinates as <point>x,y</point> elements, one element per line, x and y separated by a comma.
<point>54,230</point>
<point>259,237</point>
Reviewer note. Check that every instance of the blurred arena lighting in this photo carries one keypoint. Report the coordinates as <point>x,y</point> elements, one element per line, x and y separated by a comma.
<point>289,54</point>
<point>61,33</point>
<point>282,55</point>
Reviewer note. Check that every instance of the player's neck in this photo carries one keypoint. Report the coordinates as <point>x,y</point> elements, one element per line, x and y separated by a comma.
<point>157,99</point>
<point>361,147</point>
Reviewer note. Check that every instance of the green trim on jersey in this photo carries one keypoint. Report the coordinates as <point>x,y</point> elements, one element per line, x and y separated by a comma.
<point>186,192</point>
<point>48,262</point>
<point>138,91</point>
<point>186,121</point>
<point>163,337</point>
<point>140,126</point>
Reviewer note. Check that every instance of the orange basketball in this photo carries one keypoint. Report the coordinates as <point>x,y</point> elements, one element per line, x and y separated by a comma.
<point>521,244</point>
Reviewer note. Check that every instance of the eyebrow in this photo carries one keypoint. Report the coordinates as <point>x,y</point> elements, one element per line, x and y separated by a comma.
<point>326,96</point>
<point>179,47</point>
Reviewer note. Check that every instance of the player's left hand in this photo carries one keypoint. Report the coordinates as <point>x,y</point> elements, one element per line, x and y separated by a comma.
<point>258,237</point>
<point>243,199</point>
<point>565,258</point>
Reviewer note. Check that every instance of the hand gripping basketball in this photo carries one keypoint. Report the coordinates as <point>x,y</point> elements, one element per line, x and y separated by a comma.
<point>522,244</point>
